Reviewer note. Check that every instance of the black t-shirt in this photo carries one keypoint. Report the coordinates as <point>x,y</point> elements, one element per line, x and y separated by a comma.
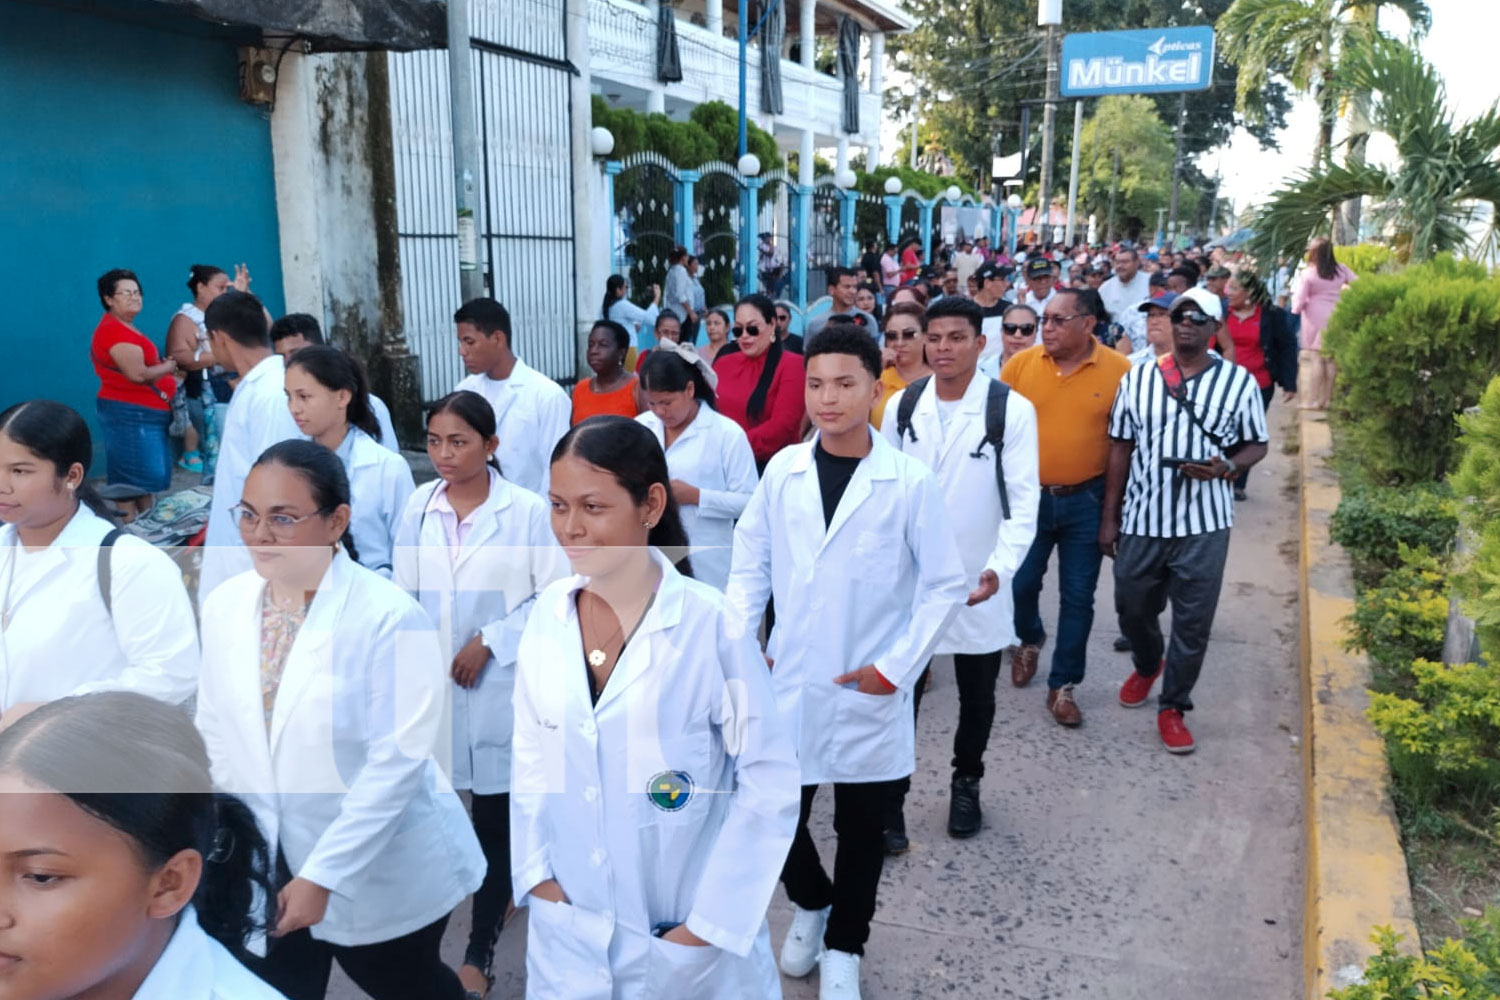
<point>834,473</point>
<point>870,265</point>
<point>998,309</point>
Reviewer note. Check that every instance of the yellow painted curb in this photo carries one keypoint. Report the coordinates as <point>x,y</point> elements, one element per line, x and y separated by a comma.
<point>1356,871</point>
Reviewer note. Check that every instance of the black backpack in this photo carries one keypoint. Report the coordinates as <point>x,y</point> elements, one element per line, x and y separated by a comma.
<point>994,427</point>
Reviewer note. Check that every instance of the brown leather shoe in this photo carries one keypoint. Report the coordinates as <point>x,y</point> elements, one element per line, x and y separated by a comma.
<point>1063,708</point>
<point>1023,664</point>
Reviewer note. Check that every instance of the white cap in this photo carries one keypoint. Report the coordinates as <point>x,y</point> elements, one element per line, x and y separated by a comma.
<point>1205,300</point>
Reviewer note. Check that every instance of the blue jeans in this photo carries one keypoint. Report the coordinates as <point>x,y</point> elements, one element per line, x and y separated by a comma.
<point>1071,525</point>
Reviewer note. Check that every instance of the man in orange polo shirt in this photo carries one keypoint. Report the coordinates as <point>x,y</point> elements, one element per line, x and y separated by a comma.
<point>1071,380</point>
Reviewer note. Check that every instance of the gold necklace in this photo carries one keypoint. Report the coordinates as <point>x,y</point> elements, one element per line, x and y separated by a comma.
<point>596,655</point>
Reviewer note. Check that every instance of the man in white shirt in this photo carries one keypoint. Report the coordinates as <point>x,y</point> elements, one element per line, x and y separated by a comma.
<point>949,429</point>
<point>240,338</point>
<point>1040,282</point>
<point>1127,289</point>
<point>532,412</point>
<point>967,262</point>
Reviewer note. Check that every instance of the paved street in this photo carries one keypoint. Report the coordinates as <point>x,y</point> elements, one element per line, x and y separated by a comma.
<point>1107,868</point>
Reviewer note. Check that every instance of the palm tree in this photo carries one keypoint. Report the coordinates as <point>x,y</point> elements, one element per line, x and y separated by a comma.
<point>1427,201</point>
<point>1302,41</point>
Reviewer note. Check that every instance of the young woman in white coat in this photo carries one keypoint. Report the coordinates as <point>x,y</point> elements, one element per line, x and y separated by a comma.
<point>58,636</point>
<point>654,791</point>
<point>708,455</point>
<point>321,700</point>
<point>126,876</point>
<point>474,550</point>
<point>329,397</point>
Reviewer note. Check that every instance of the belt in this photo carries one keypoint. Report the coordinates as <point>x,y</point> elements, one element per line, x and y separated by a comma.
<point>1067,491</point>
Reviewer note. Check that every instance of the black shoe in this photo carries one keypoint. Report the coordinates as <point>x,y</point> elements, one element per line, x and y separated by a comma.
<point>895,824</point>
<point>1122,644</point>
<point>964,815</point>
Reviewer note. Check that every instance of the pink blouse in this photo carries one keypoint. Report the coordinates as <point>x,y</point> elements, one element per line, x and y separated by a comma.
<point>1314,302</point>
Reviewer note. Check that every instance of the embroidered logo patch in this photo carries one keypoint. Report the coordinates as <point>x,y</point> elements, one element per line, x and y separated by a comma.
<point>669,791</point>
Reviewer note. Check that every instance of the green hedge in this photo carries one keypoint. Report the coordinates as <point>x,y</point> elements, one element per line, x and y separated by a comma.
<point>1469,968</point>
<point>1374,524</point>
<point>710,133</point>
<point>1414,349</point>
<point>1402,619</point>
<point>1366,258</point>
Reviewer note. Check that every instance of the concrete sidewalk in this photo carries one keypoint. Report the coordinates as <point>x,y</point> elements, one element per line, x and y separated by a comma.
<point>1107,868</point>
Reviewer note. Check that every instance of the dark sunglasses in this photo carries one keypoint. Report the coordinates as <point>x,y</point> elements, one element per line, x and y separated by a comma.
<point>902,334</point>
<point>1014,328</point>
<point>1192,316</point>
<point>750,329</point>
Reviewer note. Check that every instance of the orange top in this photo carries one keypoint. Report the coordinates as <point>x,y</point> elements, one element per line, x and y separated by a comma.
<point>1072,411</point>
<point>588,403</point>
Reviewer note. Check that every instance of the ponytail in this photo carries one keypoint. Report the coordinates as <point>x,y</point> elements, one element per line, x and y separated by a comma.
<point>236,877</point>
<point>628,450</point>
<point>474,410</point>
<point>336,369</point>
<point>612,286</point>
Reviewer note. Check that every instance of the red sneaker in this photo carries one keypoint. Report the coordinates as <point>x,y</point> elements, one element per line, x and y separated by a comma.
<point>1136,689</point>
<point>1174,732</point>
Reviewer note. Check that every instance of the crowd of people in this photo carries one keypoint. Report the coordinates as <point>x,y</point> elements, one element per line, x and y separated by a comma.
<point>639,627</point>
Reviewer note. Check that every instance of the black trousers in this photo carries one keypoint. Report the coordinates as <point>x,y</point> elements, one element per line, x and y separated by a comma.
<point>976,674</point>
<point>492,827</point>
<point>1189,572</point>
<point>406,968</point>
<point>857,820</point>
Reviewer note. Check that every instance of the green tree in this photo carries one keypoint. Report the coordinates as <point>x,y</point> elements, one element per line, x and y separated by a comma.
<point>1132,126</point>
<point>1427,200</point>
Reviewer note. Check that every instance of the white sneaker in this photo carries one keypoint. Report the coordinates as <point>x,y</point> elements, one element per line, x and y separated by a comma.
<point>804,941</point>
<point>838,976</point>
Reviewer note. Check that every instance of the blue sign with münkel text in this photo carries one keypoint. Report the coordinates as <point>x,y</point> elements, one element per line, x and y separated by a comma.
<point>1153,61</point>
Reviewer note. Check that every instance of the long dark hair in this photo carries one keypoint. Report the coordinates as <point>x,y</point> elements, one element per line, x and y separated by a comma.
<point>612,286</point>
<point>336,369</point>
<point>1323,259</point>
<point>755,407</point>
<point>321,470</point>
<point>666,371</point>
<point>200,275</point>
<point>627,450</point>
<point>58,434</point>
<point>474,410</point>
<point>139,765</point>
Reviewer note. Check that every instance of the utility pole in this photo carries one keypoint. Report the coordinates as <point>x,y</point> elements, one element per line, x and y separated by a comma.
<point>1177,160</point>
<point>1114,189</point>
<point>744,33</point>
<point>1073,169</point>
<point>465,149</point>
<point>1049,16</point>
<point>916,115</point>
<point>1159,213</point>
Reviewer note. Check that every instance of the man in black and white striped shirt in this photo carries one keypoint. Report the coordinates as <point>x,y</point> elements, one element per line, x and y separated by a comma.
<point>1181,429</point>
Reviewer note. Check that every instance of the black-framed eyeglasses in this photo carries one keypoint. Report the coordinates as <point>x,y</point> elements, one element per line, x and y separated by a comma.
<point>1193,316</point>
<point>749,329</point>
<point>1052,320</point>
<point>1019,328</point>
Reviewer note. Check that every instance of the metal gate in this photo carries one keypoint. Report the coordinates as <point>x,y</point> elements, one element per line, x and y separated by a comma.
<point>645,215</point>
<point>716,218</point>
<point>523,98</point>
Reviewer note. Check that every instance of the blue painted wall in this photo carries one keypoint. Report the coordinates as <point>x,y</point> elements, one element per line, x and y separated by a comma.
<point>122,144</point>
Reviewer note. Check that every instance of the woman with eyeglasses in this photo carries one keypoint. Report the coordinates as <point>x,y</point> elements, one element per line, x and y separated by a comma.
<point>760,385</point>
<point>135,396</point>
<point>905,362</point>
<point>322,700</point>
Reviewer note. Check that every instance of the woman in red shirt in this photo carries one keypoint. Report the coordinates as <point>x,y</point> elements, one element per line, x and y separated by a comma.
<point>760,385</point>
<point>135,395</point>
<point>1263,343</point>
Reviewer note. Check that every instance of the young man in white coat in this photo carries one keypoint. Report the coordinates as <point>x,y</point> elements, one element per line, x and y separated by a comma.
<point>532,412</point>
<point>950,431</point>
<point>828,517</point>
<point>258,418</point>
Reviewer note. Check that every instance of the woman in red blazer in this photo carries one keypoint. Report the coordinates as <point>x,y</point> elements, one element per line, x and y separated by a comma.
<point>761,385</point>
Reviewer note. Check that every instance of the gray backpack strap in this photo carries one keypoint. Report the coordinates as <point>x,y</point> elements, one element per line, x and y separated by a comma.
<point>908,406</point>
<point>105,575</point>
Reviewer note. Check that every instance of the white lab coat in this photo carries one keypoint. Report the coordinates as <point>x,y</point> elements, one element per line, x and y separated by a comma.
<point>508,556</point>
<point>346,784</point>
<point>196,967</point>
<point>685,699</point>
<point>878,586</point>
<point>532,413</point>
<point>713,454</point>
<point>257,418</point>
<point>61,640</point>
<point>379,483</point>
<point>383,419</point>
<point>986,541</point>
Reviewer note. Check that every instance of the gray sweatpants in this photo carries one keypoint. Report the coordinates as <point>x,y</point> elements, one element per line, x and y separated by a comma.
<point>1188,572</point>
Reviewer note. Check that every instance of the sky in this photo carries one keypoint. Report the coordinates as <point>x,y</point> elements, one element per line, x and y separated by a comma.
<point>1460,45</point>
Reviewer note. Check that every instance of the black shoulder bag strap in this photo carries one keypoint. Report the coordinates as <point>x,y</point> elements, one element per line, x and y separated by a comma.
<point>996,400</point>
<point>105,574</point>
<point>1166,365</point>
<point>908,406</point>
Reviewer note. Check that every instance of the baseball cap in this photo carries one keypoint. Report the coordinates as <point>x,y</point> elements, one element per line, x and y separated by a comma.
<point>1038,267</point>
<point>990,271</point>
<point>1160,302</point>
<point>1205,300</point>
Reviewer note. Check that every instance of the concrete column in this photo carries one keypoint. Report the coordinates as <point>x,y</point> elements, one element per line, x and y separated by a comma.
<point>656,97</point>
<point>714,17</point>
<point>802,196</point>
<point>877,62</point>
<point>684,207</point>
<point>843,157</point>
<point>872,150</point>
<point>588,258</point>
<point>807,31</point>
<point>749,238</point>
<point>805,154</point>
